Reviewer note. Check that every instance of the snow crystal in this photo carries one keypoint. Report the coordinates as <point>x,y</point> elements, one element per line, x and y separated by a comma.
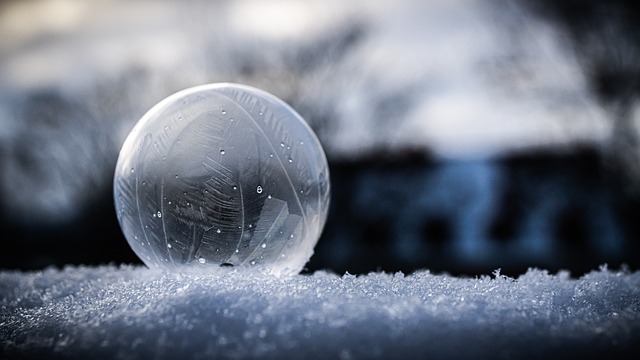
<point>133,312</point>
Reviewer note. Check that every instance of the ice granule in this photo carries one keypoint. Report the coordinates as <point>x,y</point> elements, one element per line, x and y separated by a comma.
<point>133,312</point>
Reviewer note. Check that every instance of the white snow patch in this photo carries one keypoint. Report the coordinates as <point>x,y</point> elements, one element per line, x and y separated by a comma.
<point>133,312</point>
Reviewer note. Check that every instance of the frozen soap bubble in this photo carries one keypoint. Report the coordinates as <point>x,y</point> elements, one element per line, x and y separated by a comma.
<point>222,175</point>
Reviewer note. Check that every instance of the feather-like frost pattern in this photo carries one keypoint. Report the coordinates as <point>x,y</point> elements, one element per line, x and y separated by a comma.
<point>223,174</point>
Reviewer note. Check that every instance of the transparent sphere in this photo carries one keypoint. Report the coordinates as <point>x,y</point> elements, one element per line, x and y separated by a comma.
<point>222,175</point>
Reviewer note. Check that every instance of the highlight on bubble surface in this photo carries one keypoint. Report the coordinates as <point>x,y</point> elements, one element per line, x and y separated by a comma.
<point>222,175</point>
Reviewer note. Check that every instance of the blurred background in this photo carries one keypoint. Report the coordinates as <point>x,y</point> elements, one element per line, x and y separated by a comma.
<point>462,136</point>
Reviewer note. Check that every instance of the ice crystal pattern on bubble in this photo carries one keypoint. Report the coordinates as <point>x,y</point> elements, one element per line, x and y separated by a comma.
<point>207,178</point>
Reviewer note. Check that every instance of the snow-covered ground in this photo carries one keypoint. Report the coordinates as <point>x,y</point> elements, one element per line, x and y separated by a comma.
<point>132,312</point>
